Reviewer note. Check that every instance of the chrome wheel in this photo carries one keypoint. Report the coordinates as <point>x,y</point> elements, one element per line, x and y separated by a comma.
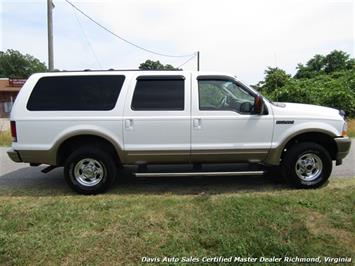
<point>89,172</point>
<point>309,167</point>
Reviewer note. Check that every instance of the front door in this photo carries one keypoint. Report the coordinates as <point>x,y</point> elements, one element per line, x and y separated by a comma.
<point>224,128</point>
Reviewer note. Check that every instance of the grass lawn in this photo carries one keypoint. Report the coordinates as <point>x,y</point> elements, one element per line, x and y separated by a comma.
<point>351,128</point>
<point>121,228</point>
<point>5,138</point>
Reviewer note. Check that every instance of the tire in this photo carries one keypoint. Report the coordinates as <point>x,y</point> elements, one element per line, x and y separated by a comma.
<point>307,165</point>
<point>90,170</point>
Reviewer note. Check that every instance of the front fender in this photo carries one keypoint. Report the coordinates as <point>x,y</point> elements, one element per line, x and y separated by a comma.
<point>285,136</point>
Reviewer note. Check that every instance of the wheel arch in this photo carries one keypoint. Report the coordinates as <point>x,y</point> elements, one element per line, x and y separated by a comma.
<point>67,145</point>
<point>322,137</point>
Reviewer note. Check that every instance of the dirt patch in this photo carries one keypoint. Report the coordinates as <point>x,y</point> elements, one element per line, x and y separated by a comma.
<point>318,224</point>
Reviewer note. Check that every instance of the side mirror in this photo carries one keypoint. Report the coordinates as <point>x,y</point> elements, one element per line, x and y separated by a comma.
<point>258,105</point>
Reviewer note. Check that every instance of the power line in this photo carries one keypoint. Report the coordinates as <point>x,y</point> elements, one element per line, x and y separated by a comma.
<point>87,39</point>
<point>188,60</point>
<point>123,39</point>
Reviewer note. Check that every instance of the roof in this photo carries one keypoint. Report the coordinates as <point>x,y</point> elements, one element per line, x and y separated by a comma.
<point>127,71</point>
<point>5,86</point>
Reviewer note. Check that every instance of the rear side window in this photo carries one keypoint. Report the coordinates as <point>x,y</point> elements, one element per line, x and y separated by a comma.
<point>157,93</point>
<point>75,93</point>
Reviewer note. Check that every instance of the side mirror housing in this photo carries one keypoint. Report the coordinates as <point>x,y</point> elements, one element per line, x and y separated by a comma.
<point>258,105</point>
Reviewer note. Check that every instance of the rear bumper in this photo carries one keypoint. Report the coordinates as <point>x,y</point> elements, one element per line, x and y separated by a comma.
<point>33,156</point>
<point>343,148</point>
<point>14,155</point>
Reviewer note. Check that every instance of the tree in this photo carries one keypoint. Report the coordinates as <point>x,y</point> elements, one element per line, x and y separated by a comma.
<point>313,67</point>
<point>304,72</point>
<point>274,78</point>
<point>13,64</point>
<point>156,65</point>
<point>319,64</point>
<point>336,61</point>
<point>324,80</point>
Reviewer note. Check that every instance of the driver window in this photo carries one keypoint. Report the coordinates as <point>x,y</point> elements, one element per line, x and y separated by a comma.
<point>224,95</point>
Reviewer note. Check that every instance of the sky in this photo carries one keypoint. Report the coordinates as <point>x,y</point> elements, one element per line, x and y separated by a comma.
<point>233,36</point>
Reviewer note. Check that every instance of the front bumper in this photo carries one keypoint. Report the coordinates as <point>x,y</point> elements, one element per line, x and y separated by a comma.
<point>14,155</point>
<point>343,148</point>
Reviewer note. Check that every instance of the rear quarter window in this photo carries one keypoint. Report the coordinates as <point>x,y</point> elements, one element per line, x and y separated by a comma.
<point>76,93</point>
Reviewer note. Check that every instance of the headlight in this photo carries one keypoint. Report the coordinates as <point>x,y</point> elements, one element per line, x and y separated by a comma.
<point>345,129</point>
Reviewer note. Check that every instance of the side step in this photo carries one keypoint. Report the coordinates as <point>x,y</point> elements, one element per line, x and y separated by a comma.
<point>48,169</point>
<point>235,173</point>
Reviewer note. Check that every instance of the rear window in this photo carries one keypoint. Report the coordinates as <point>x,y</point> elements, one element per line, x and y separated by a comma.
<point>75,93</point>
<point>157,93</point>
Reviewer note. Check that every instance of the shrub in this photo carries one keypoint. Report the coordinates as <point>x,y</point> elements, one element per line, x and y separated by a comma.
<point>336,91</point>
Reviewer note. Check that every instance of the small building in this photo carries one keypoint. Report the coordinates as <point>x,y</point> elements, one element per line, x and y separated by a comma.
<point>9,88</point>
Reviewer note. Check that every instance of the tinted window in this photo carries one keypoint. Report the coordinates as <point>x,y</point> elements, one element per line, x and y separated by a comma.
<point>75,93</point>
<point>165,93</point>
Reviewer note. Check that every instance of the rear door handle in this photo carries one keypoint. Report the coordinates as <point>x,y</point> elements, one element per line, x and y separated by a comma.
<point>197,123</point>
<point>129,124</point>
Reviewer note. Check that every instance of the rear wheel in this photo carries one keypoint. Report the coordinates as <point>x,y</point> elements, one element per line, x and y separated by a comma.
<point>307,165</point>
<point>90,170</point>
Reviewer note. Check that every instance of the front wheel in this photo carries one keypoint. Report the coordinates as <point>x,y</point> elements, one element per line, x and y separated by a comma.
<point>307,165</point>
<point>90,170</point>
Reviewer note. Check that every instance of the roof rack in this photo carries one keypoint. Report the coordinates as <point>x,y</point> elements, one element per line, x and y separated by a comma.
<point>111,69</point>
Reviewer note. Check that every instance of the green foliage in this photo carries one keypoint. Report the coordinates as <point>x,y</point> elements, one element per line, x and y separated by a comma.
<point>314,66</point>
<point>337,91</point>
<point>13,64</point>
<point>336,61</point>
<point>324,80</point>
<point>333,62</point>
<point>155,65</point>
<point>274,79</point>
<point>5,138</point>
<point>304,72</point>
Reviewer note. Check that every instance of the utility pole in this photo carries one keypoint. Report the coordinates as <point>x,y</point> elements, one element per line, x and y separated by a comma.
<point>50,34</point>
<point>198,60</point>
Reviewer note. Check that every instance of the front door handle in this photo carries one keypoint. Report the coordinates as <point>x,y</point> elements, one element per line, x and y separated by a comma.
<point>129,124</point>
<point>197,123</point>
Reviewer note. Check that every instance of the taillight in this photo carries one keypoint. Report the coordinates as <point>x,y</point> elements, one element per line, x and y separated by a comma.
<point>13,131</point>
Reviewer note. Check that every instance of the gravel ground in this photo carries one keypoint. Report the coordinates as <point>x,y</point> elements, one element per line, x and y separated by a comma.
<point>15,176</point>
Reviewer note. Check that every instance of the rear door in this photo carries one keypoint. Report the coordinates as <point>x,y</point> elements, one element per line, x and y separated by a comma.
<point>157,119</point>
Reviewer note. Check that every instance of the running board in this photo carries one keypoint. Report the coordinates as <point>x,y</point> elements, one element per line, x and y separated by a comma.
<point>239,173</point>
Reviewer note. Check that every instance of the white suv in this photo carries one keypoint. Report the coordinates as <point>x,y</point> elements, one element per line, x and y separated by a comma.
<point>93,122</point>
